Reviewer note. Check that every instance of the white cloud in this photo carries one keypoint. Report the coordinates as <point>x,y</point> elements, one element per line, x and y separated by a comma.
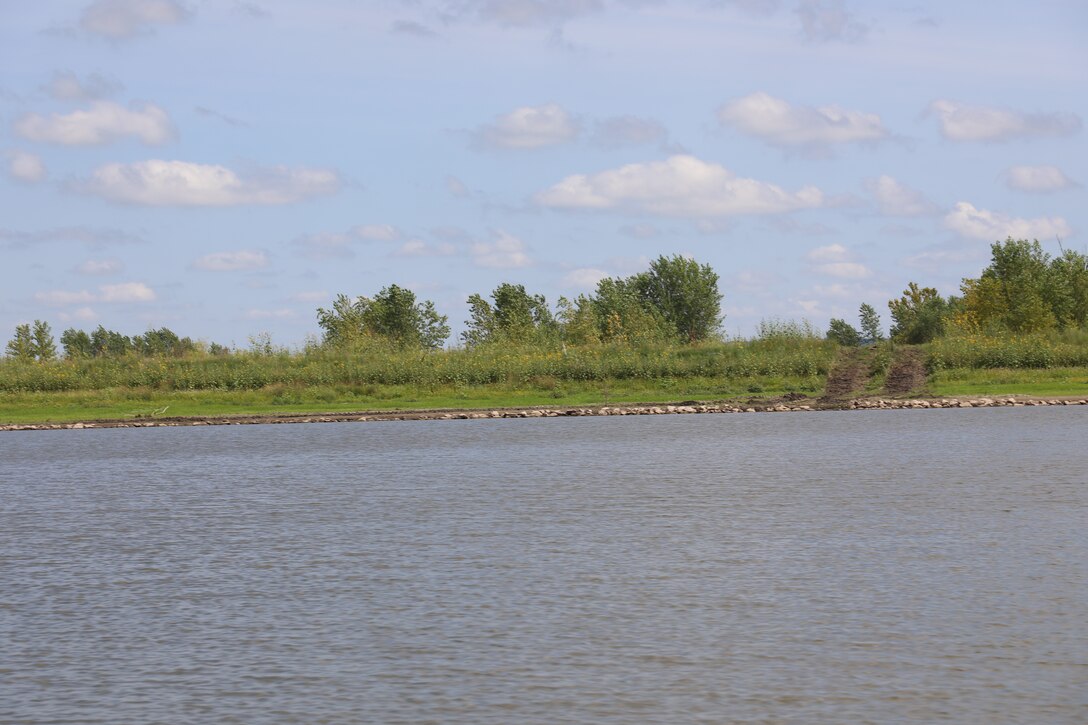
<point>58,298</point>
<point>99,267</point>
<point>584,278</point>
<point>965,219</point>
<point>237,261</point>
<point>66,86</point>
<point>681,186</point>
<point>825,20</point>
<point>1042,179</point>
<point>102,123</point>
<point>124,292</point>
<point>82,314</point>
<point>961,122</point>
<point>528,127</point>
<point>835,260</point>
<point>628,131</point>
<point>778,123</point>
<point>829,253</point>
<point>506,252</point>
<point>181,183</point>
<point>26,167</point>
<point>120,19</point>
<point>896,199</point>
<point>457,188</point>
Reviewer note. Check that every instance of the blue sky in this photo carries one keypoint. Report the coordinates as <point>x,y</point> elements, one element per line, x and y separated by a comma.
<point>224,168</point>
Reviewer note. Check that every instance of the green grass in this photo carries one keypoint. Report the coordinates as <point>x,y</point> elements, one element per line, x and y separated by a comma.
<point>1067,381</point>
<point>127,403</point>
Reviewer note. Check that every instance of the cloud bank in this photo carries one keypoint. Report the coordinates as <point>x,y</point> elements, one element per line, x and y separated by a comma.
<point>681,186</point>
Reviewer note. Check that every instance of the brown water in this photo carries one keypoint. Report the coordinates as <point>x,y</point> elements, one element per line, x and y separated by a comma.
<point>909,566</point>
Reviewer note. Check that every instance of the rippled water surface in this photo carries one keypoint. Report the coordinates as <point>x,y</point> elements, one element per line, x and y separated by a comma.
<point>909,566</point>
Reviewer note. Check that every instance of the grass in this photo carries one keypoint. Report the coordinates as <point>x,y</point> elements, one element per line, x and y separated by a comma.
<point>1064,381</point>
<point>122,403</point>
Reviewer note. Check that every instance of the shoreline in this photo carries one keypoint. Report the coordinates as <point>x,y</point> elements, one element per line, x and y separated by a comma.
<point>773,405</point>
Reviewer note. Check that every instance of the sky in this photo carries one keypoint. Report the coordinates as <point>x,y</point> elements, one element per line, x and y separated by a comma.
<point>223,168</point>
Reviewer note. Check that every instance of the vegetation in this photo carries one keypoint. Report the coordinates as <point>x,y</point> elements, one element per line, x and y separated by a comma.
<point>651,336</point>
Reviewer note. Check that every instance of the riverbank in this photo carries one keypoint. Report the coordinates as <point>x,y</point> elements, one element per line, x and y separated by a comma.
<point>776,405</point>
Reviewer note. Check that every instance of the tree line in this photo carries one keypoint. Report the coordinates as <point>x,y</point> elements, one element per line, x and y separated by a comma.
<point>1023,290</point>
<point>675,301</point>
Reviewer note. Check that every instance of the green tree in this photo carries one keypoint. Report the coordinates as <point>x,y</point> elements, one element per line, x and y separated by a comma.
<point>843,333</point>
<point>685,294</point>
<point>1021,290</point>
<point>393,315</point>
<point>919,315</point>
<point>43,345</point>
<point>76,343</point>
<point>514,316</point>
<point>21,347</point>
<point>108,343</point>
<point>1069,273</point>
<point>870,323</point>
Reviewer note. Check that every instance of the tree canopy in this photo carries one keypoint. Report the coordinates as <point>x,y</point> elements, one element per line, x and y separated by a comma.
<point>393,315</point>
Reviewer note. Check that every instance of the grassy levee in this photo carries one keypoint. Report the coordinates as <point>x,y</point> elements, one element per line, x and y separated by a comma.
<point>383,379</point>
<point>1054,364</point>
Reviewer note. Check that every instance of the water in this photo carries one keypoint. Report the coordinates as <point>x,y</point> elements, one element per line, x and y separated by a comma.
<point>909,566</point>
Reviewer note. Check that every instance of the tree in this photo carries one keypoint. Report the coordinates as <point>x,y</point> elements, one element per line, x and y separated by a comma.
<point>42,339</point>
<point>108,343</point>
<point>76,343</point>
<point>1023,290</point>
<point>516,316</point>
<point>843,333</point>
<point>685,294</point>
<point>393,315</point>
<point>919,315</point>
<point>21,347</point>
<point>870,323</point>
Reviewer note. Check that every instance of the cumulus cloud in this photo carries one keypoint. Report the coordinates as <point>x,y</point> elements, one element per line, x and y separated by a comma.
<point>99,267</point>
<point>102,123</point>
<point>896,199</point>
<point>528,127</point>
<point>628,131</point>
<point>506,252</point>
<point>238,261</point>
<point>961,122</point>
<point>835,260</point>
<point>26,167</point>
<point>122,19</point>
<point>181,183</point>
<point>124,292</point>
<point>523,13</point>
<point>682,186</point>
<point>1043,179</point>
<point>968,221</point>
<point>828,20</point>
<point>779,123</point>
<point>584,278</point>
<point>66,86</point>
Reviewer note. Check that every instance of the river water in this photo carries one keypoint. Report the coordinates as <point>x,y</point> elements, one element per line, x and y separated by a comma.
<point>907,566</point>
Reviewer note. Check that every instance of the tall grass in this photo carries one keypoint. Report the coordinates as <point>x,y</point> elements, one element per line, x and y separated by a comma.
<point>1034,351</point>
<point>797,357</point>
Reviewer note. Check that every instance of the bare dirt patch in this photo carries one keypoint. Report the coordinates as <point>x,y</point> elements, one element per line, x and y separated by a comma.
<point>907,372</point>
<point>847,377</point>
